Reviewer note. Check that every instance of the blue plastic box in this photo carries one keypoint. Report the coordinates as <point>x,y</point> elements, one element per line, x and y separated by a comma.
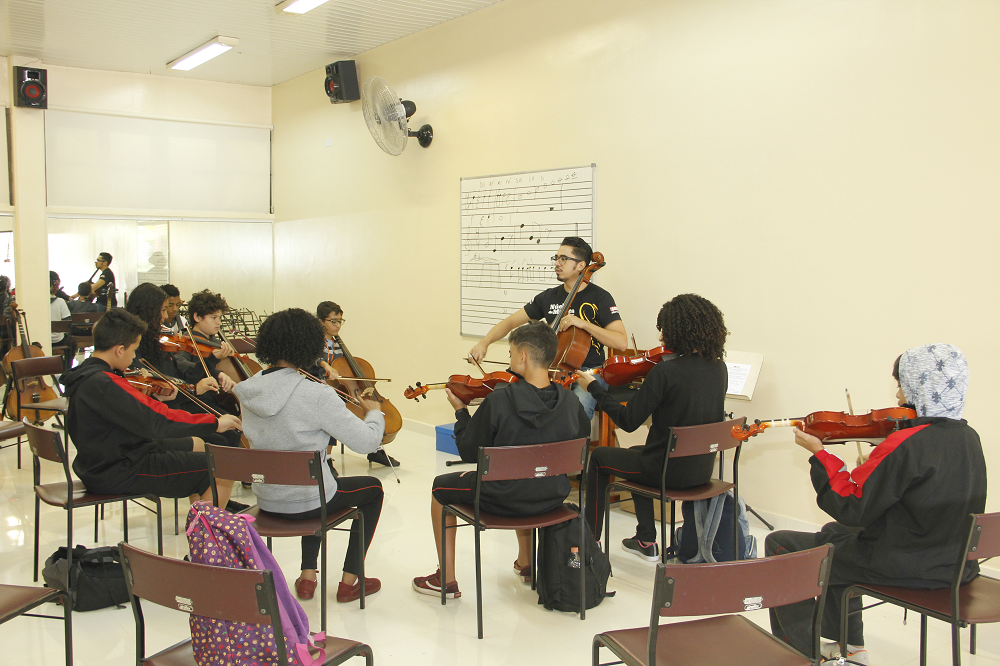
<point>446,439</point>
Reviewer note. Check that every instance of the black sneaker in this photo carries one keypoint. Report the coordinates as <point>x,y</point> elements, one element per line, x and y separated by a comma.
<point>650,553</point>
<point>382,458</point>
<point>236,507</point>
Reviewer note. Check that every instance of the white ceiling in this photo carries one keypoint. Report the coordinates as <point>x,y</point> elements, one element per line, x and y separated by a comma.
<point>144,35</point>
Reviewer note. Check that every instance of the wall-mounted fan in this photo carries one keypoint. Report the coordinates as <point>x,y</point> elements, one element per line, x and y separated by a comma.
<point>387,117</point>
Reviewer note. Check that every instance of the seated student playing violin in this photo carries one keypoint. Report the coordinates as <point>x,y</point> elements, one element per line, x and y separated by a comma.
<point>148,302</point>
<point>206,310</point>
<point>688,390</point>
<point>533,410</point>
<point>593,310</point>
<point>901,517</point>
<point>283,410</point>
<point>127,442</point>
<point>331,316</point>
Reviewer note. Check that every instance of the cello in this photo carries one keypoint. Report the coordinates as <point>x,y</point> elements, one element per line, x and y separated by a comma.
<point>353,372</point>
<point>239,367</point>
<point>574,343</point>
<point>33,387</point>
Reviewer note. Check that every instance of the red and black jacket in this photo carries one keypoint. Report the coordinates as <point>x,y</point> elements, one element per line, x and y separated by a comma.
<point>114,427</point>
<point>912,499</point>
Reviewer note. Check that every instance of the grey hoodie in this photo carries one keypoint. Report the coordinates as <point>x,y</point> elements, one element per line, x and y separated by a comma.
<point>284,411</point>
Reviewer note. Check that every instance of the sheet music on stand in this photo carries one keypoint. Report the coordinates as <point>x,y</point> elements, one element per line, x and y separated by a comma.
<point>511,225</point>
<point>744,369</point>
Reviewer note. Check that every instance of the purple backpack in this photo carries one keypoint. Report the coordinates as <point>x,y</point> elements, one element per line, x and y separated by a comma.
<point>222,539</point>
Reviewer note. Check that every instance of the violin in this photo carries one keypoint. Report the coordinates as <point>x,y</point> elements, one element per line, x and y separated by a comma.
<point>574,343</point>
<point>34,388</point>
<point>837,427</point>
<point>153,386</point>
<point>352,368</point>
<point>466,388</point>
<point>621,370</point>
<point>172,344</point>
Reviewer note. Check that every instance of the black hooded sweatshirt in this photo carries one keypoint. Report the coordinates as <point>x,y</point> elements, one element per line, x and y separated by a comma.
<point>519,414</point>
<point>114,427</point>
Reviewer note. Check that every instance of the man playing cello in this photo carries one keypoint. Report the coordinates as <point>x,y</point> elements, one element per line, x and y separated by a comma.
<point>593,310</point>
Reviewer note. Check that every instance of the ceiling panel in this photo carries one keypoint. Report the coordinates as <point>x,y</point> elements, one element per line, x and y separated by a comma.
<point>144,35</point>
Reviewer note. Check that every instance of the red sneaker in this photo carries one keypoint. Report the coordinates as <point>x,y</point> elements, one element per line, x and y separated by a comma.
<point>432,585</point>
<point>347,593</point>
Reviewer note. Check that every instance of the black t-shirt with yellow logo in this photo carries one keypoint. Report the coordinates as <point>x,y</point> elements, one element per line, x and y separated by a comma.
<point>593,304</point>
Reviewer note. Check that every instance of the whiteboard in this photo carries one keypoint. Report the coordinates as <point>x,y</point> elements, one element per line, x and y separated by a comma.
<point>511,226</point>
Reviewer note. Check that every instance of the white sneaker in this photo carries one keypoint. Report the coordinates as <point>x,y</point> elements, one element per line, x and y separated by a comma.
<point>831,654</point>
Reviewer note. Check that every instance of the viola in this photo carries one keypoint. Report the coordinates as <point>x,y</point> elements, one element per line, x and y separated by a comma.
<point>621,370</point>
<point>837,427</point>
<point>33,388</point>
<point>574,343</point>
<point>466,388</point>
<point>352,369</point>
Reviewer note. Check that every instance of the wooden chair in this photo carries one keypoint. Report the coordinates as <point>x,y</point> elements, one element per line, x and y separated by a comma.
<point>509,463</point>
<point>960,605</point>
<point>234,595</point>
<point>71,494</point>
<point>17,600</point>
<point>288,468</point>
<point>723,590</point>
<point>685,441</point>
<point>39,367</point>
<point>83,327</point>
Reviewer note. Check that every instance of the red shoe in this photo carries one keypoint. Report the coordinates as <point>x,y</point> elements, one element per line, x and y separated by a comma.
<point>347,593</point>
<point>432,585</point>
<point>305,588</point>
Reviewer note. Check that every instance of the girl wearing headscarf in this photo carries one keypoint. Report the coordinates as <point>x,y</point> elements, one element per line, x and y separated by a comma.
<point>902,516</point>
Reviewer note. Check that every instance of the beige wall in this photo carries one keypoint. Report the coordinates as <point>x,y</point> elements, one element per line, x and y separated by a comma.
<point>825,172</point>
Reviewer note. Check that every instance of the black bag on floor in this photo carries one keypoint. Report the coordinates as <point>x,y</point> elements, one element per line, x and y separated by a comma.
<point>96,581</point>
<point>557,583</point>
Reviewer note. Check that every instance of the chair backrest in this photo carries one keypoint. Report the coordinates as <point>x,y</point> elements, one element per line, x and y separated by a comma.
<point>534,461</point>
<point>734,587</point>
<point>85,318</point>
<point>984,539</point>
<point>61,326</point>
<point>43,443</point>
<point>701,439</point>
<point>223,593</point>
<point>37,366</point>
<point>288,468</point>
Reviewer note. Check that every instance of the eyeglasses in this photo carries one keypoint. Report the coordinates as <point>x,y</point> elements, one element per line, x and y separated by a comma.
<point>335,322</point>
<point>562,258</point>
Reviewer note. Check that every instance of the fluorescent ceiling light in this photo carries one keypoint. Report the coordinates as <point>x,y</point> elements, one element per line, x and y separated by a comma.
<point>298,6</point>
<point>203,53</point>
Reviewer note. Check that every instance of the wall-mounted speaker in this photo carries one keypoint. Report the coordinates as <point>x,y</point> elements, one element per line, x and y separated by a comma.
<point>341,84</point>
<point>30,87</point>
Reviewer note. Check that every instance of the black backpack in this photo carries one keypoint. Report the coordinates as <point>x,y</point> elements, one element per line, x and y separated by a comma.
<point>96,580</point>
<point>558,584</point>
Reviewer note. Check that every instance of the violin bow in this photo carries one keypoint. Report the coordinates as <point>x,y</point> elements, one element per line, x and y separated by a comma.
<point>477,364</point>
<point>190,396</point>
<point>850,408</point>
<point>194,343</point>
<point>356,402</point>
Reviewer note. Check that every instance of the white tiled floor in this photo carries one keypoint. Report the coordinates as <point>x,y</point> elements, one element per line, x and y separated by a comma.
<point>402,626</point>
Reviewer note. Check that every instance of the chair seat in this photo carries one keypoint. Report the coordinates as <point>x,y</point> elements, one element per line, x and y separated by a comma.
<point>978,600</point>
<point>182,654</point>
<point>54,494</point>
<point>273,525</point>
<point>59,405</point>
<point>722,641</point>
<point>11,429</point>
<point>711,489</point>
<point>18,599</point>
<point>491,522</point>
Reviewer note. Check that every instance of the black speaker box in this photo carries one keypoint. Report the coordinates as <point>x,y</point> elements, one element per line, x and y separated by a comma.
<point>341,83</point>
<point>30,88</point>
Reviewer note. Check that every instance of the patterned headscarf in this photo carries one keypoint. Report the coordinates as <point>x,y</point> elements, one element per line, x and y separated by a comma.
<point>935,378</point>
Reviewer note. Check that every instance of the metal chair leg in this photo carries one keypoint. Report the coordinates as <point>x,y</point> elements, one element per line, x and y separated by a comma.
<point>361,549</point>
<point>125,521</point>
<point>159,527</point>
<point>972,639</point>
<point>923,640</point>
<point>68,634</point>
<point>443,573</point>
<point>956,645</point>
<point>322,580</point>
<point>37,512</point>
<point>479,583</point>
<point>97,512</point>
<point>534,556</point>
<point>177,529</point>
